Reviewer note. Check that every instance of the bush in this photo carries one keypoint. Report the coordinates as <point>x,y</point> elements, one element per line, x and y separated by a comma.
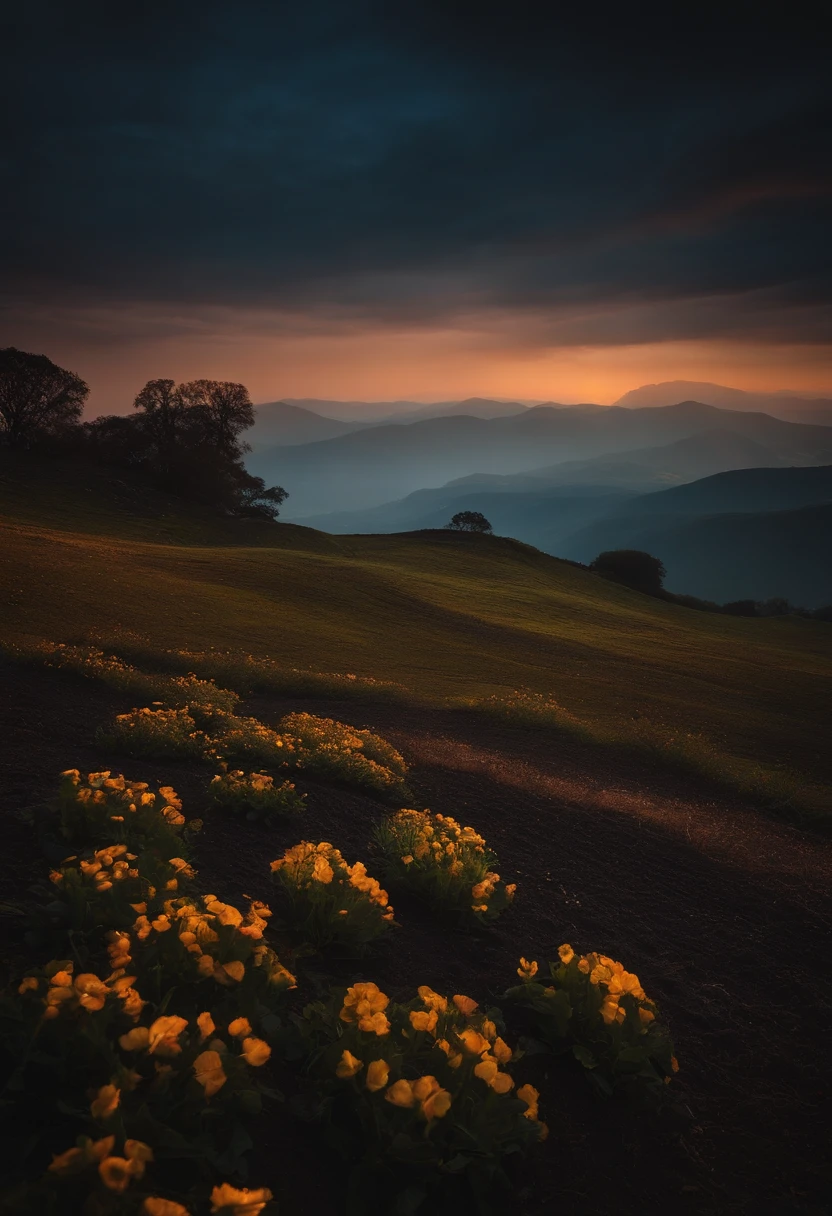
<point>152,1054</point>
<point>632,567</point>
<point>418,1094</point>
<point>106,808</point>
<point>164,734</point>
<point>330,903</point>
<point>331,750</point>
<point>448,866</point>
<point>256,796</point>
<point>469,521</point>
<point>601,1013</point>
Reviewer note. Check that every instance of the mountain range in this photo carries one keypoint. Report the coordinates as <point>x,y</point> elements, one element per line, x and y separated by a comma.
<point>373,465</point>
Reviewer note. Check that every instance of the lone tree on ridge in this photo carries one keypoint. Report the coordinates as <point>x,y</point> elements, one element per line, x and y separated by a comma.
<point>632,567</point>
<point>469,521</point>
<point>36,397</point>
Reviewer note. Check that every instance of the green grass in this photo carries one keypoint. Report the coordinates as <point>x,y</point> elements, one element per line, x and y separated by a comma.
<point>453,617</point>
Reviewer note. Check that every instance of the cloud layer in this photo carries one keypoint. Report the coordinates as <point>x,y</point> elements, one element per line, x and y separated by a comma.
<point>555,180</point>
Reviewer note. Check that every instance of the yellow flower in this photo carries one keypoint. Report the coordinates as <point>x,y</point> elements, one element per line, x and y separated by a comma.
<point>529,1095</point>
<point>156,1206</point>
<point>378,1074</point>
<point>488,1071</point>
<point>566,954</point>
<point>454,1057</point>
<point>474,1042</point>
<point>432,999</point>
<point>401,1094</point>
<point>116,1173</point>
<point>164,1035</point>
<point>434,1101</point>
<point>240,1028</point>
<point>527,970</point>
<point>255,1052</point>
<point>501,1051</point>
<point>91,991</point>
<point>465,1005</point>
<point>62,979</point>
<point>135,1040</point>
<point>229,1201</point>
<point>105,1102</point>
<point>206,1026</point>
<point>348,1065</point>
<point>583,966</point>
<point>30,984</point>
<point>209,1072</point>
<point>489,1029</point>
<point>235,970</point>
<point>674,1063</point>
<point>421,1020</point>
<point>646,1017</point>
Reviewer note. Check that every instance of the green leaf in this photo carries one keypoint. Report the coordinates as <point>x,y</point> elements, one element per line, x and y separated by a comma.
<point>584,1056</point>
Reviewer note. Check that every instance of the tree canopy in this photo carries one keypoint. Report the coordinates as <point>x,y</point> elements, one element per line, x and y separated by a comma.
<point>36,396</point>
<point>469,521</point>
<point>632,567</point>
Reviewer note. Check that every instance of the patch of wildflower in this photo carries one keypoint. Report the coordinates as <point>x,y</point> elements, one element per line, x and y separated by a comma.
<point>165,734</point>
<point>102,808</point>
<point>250,673</point>
<point>255,795</point>
<point>423,1086</point>
<point>524,707</point>
<point>594,1007</point>
<point>449,866</point>
<point>318,747</point>
<point>330,903</point>
<point>92,663</point>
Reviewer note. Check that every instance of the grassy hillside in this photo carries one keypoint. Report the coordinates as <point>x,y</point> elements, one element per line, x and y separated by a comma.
<point>447,615</point>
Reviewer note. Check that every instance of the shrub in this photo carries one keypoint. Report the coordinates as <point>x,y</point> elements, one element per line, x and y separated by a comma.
<point>325,748</point>
<point>522,707</point>
<point>104,808</point>
<point>418,1093</point>
<point>632,567</point>
<point>331,903</point>
<point>469,521</point>
<point>447,865</point>
<point>601,1013</point>
<point>255,795</point>
<point>165,734</point>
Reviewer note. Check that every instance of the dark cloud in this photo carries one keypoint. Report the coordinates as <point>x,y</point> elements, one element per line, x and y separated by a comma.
<point>422,161</point>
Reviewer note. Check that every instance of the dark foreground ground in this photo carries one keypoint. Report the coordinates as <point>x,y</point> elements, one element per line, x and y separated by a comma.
<point>723,912</point>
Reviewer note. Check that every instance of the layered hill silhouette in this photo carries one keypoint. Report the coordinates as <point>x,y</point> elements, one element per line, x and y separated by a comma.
<point>792,406</point>
<point>371,466</point>
<point>746,534</point>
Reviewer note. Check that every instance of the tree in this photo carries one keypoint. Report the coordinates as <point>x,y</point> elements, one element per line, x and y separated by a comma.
<point>469,521</point>
<point>36,396</point>
<point>221,409</point>
<point>162,408</point>
<point>632,567</point>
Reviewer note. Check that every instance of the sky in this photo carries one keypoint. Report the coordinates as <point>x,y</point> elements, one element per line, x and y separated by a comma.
<point>422,200</point>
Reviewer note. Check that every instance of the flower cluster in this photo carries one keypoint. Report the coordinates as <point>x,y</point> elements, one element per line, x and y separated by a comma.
<point>103,807</point>
<point>94,664</point>
<point>599,1008</point>
<point>329,902</point>
<point>161,733</point>
<point>255,795</point>
<point>447,865</point>
<point>425,1081</point>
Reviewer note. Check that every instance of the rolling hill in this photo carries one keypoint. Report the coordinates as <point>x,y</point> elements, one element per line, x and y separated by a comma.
<point>447,615</point>
<point>279,422</point>
<point>745,534</point>
<point>381,463</point>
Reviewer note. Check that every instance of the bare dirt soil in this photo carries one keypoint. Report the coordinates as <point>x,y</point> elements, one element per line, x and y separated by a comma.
<point>724,913</point>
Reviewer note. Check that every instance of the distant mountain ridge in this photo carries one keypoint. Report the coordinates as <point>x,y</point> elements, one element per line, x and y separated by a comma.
<point>369,466</point>
<point>785,403</point>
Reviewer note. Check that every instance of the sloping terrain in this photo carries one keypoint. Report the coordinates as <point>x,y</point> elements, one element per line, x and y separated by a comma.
<point>788,404</point>
<point>447,615</point>
<point>722,913</point>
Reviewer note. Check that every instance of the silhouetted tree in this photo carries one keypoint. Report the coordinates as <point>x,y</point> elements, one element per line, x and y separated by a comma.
<point>469,521</point>
<point>632,567</point>
<point>220,409</point>
<point>162,411</point>
<point>36,397</point>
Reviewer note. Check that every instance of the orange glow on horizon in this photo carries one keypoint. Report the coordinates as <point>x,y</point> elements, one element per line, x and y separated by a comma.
<point>373,363</point>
